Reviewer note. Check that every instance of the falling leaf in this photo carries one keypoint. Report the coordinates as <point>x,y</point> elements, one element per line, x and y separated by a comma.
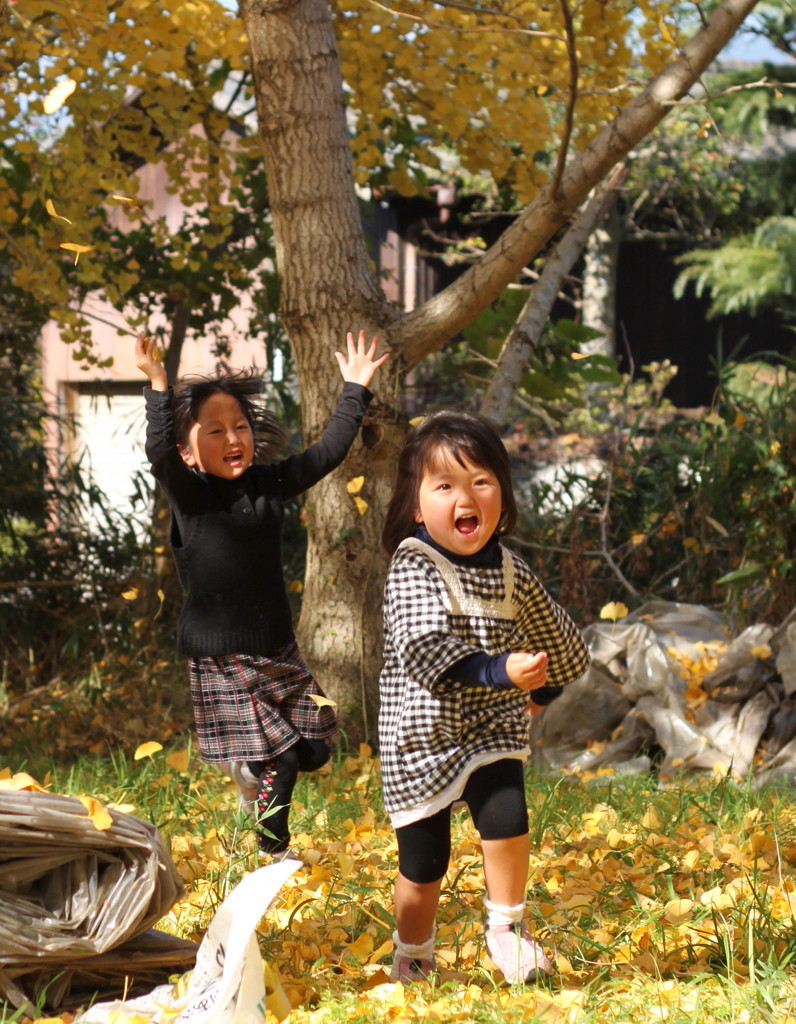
<point>361,505</point>
<point>120,198</point>
<point>354,485</point>
<point>716,526</point>
<point>665,33</point>
<point>77,249</point>
<point>49,206</point>
<point>417,419</point>
<point>321,701</point>
<point>100,816</point>
<point>58,95</point>
<point>613,610</point>
<point>579,355</point>
<point>178,760</point>
<point>131,594</point>
<point>295,586</point>
<point>147,750</point>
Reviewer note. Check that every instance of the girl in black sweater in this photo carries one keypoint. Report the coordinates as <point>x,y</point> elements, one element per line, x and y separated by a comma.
<point>251,691</point>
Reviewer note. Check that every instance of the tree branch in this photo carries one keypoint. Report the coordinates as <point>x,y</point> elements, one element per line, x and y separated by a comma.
<point>524,336</point>
<point>427,328</point>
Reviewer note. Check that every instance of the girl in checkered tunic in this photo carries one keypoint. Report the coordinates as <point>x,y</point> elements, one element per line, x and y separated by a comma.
<point>251,691</point>
<point>473,646</point>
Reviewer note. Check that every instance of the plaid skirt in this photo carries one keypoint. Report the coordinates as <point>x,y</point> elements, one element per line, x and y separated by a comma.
<point>251,707</point>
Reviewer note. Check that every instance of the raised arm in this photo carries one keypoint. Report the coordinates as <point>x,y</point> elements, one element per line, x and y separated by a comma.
<point>148,361</point>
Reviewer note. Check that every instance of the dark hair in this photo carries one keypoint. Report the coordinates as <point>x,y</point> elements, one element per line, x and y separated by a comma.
<point>243,385</point>
<point>466,436</point>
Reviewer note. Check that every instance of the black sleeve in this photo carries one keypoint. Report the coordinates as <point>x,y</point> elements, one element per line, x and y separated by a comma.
<point>179,482</point>
<point>300,472</point>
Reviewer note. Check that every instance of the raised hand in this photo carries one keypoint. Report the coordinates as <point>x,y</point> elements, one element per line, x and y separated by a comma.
<point>148,361</point>
<point>360,364</point>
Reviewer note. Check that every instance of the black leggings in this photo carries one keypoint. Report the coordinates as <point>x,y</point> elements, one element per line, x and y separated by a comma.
<point>495,795</point>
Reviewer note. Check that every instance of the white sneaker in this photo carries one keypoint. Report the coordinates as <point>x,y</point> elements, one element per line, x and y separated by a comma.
<point>515,953</point>
<point>245,780</point>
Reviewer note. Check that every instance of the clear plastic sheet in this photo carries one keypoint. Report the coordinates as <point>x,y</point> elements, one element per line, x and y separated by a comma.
<point>77,903</point>
<point>632,702</point>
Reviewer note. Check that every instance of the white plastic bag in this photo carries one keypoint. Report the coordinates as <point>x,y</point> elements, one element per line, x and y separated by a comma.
<point>227,985</point>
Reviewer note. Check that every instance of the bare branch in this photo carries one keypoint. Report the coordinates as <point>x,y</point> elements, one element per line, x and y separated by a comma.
<point>572,97</point>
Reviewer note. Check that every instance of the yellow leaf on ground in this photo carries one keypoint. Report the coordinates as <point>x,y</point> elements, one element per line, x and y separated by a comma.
<point>58,95</point>
<point>362,946</point>
<point>677,911</point>
<point>147,750</point>
<point>178,760</point>
<point>99,815</point>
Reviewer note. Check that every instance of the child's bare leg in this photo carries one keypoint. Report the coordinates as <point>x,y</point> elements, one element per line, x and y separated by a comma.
<point>415,909</point>
<point>506,869</point>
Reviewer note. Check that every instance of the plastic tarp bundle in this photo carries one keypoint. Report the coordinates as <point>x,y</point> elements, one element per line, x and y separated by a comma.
<point>634,699</point>
<point>228,984</point>
<point>78,897</point>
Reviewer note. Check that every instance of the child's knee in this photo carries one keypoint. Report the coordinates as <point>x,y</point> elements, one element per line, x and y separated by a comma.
<point>312,754</point>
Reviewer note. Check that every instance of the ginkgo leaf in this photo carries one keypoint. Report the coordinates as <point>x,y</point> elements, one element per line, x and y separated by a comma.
<point>131,594</point>
<point>354,485</point>
<point>147,750</point>
<point>417,419</point>
<point>678,910</point>
<point>76,248</point>
<point>579,355</point>
<point>361,505</point>
<point>58,95</point>
<point>178,760</point>
<point>100,816</point>
<point>321,701</point>
<point>714,419</point>
<point>120,198</point>
<point>362,946</point>
<point>613,610</point>
<point>49,206</point>
<point>21,780</point>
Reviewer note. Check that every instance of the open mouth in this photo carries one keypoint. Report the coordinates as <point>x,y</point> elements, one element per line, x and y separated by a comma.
<point>467,525</point>
<point>233,459</point>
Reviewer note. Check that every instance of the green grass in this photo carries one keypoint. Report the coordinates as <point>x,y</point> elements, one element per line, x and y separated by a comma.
<point>666,902</point>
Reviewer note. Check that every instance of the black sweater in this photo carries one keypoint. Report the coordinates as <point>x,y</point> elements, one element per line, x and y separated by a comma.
<point>226,535</point>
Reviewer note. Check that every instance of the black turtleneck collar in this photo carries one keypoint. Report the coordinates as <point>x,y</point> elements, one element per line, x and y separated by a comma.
<point>488,557</point>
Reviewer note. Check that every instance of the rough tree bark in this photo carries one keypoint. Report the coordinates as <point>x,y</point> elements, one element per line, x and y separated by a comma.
<point>327,287</point>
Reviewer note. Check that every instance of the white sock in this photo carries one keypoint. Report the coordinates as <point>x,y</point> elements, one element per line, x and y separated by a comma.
<point>422,951</point>
<point>499,913</point>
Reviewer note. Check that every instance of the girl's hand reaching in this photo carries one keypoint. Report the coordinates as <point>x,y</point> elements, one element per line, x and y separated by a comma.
<point>360,365</point>
<point>527,671</point>
<point>147,360</point>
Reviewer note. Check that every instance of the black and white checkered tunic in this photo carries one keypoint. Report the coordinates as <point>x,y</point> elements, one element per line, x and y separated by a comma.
<point>433,731</point>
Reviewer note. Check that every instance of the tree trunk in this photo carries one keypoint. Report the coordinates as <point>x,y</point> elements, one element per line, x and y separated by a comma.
<point>327,288</point>
<point>598,303</point>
